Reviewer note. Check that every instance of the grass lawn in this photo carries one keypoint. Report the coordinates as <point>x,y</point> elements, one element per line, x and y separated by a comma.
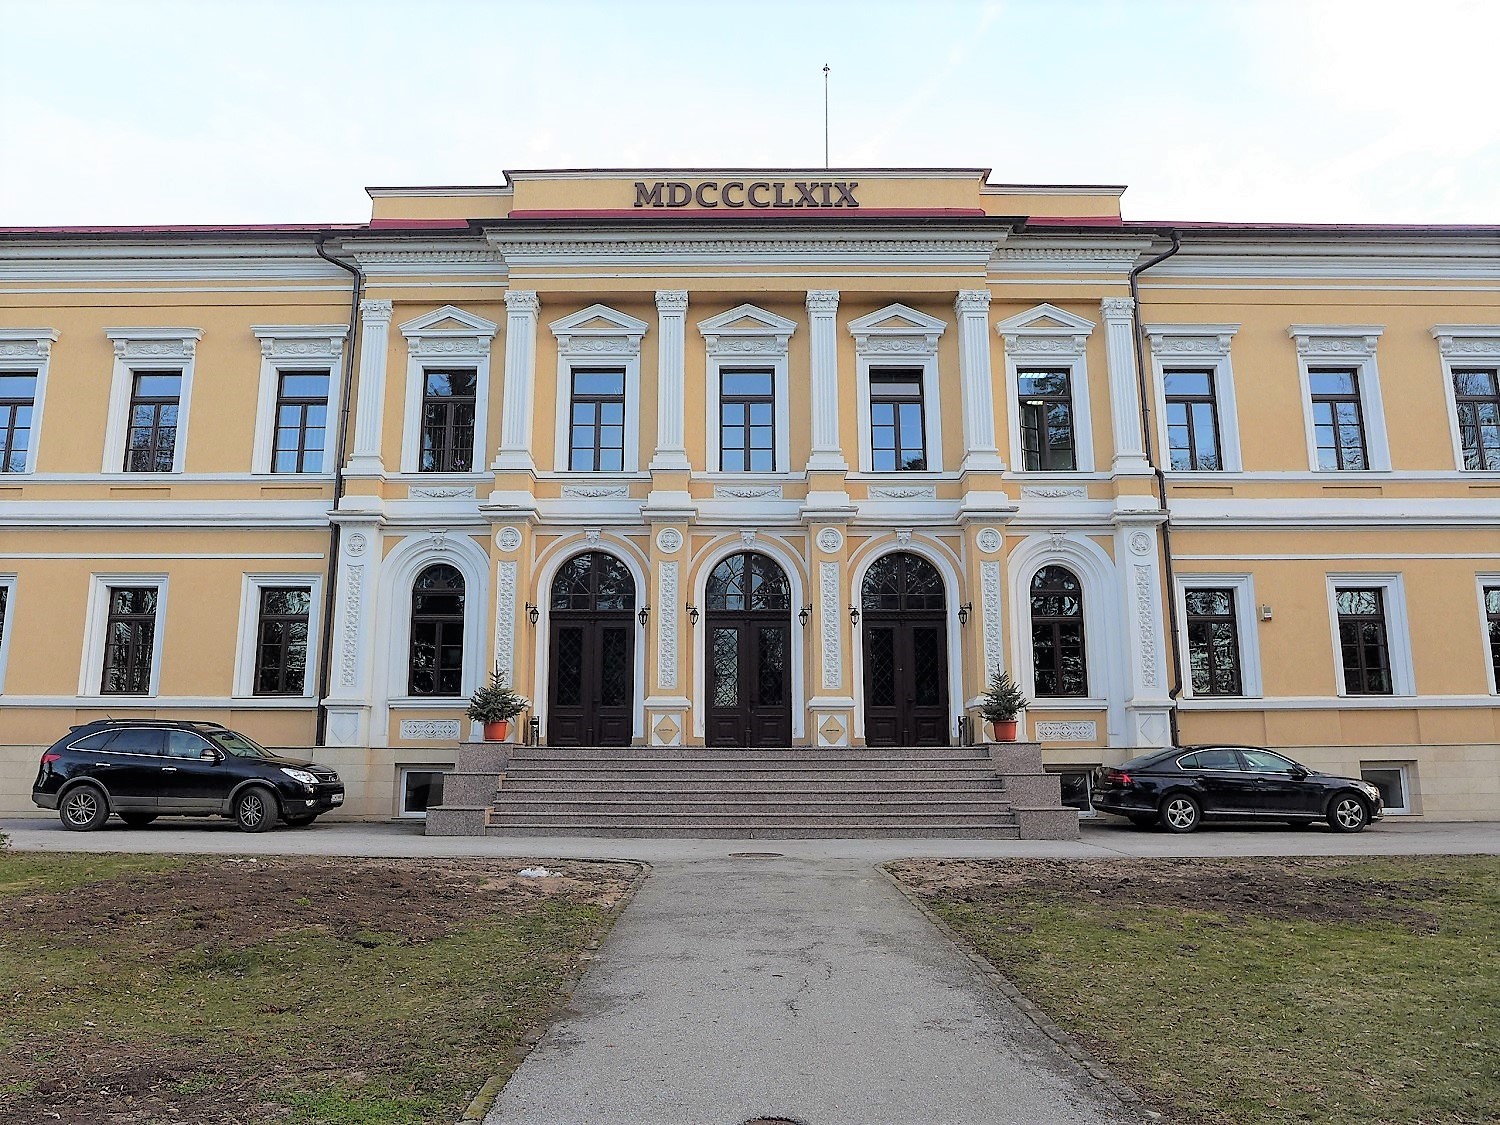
<point>149,988</point>
<point>1253,991</point>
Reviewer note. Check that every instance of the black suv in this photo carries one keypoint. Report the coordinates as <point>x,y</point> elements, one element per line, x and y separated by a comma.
<point>144,768</point>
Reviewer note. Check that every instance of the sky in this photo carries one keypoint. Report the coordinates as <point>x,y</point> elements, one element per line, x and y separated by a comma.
<point>149,111</point>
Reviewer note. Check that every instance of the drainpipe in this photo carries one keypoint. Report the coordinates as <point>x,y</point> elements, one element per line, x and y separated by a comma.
<point>1168,577</point>
<point>325,647</point>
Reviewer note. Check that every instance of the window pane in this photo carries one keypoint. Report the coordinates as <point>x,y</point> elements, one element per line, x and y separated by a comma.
<point>305,384</point>
<point>598,382</point>
<point>747,383</point>
<point>17,386</point>
<point>1333,382</point>
<point>157,385</point>
<point>1199,383</point>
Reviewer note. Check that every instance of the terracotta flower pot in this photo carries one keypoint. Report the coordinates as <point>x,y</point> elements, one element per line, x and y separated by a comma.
<point>1005,730</point>
<point>497,731</point>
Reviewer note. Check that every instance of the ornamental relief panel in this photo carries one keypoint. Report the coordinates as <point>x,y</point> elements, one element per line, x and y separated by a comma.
<point>505,619</point>
<point>828,617</point>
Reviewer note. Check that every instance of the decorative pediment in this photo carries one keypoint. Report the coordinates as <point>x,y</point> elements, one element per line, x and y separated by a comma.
<point>747,330</point>
<point>309,342</point>
<point>449,321</point>
<point>897,328</point>
<point>1208,341</point>
<point>1468,341</point>
<point>597,329</point>
<point>1045,319</point>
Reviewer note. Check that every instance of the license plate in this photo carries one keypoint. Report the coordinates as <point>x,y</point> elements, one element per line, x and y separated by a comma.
<point>336,799</point>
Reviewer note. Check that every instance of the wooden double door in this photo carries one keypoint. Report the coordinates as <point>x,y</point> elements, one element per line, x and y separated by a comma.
<point>591,660</point>
<point>905,625</point>
<point>748,639</point>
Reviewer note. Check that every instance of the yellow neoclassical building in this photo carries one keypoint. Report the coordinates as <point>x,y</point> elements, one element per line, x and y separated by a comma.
<point>759,459</point>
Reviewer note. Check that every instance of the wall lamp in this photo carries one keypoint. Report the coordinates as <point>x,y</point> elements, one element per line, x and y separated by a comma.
<point>804,613</point>
<point>692,612</point>
<point>644,615</point>
<point>963,614</point>
<point>532,613</point>
<point>854,615</point>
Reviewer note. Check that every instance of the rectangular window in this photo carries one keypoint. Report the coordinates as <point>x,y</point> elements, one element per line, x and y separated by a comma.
<point>597,430</point>
<point>1363,641</point>
<point>1391,780</point>
<point>1213,642</point>
<point>1476,395</point>
<point>17,403</point>
<point>1077,786</point>
<point>1338,418</point>
<point>898,439</point>
<point>1192,421</point>
<point>421,788</point>
<point>281,640</point>
<point>301,422</point>
<point>1047,441</point>
<point>1492,621</point>
<point>747,420</point>
<point>448,421</point>
<point>130,635</point>
<point>151,442</point>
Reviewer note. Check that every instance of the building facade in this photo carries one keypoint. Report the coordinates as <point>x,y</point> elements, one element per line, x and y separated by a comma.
<point>774,458</point>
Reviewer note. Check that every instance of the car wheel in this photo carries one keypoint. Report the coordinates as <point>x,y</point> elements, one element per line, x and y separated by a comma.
<point>1348,813</point>
<point>1180,813</point>
<point>255,810</point>
<point>84,808</point>
<point>137,819</point>
<point>1143,820</point>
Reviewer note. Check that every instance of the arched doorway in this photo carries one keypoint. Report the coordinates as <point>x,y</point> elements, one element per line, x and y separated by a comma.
<point>905,625</point>
<point>749,629</point>
<point>592,653</point>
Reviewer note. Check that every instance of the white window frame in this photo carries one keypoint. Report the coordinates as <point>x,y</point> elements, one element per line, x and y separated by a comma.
<point>1344,345</point>
<point>1049,337</point>
<point>7,623</point>
<point>1481,581</point>
<point>287,348</point>
<point>401,772</point>
<point>1197,347</point>
<point>96,624</point>
<point>899,337</point>
<point>598,336</point>
<point>1464,345</point>
<point>749,337</point>
<point>22,352</point>
<point>1060,768</point>
<point>147,349</point>
<point>1245,621</point>
<point>1397,631</point>
<point>445,338</point>
<point>1407,769</point>
<point>244,661</point>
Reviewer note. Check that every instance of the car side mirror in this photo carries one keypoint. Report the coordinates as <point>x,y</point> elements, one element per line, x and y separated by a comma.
<point>211,755</point>
<point>1298,773</point>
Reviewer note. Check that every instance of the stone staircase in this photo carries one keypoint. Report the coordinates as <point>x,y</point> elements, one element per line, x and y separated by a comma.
<point>998,791</point>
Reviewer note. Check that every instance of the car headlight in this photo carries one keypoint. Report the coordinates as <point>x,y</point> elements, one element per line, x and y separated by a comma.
<point>1371,792</point>
<point>301,776</point>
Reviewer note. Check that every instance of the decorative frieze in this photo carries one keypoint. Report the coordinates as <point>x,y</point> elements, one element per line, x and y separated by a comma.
<point>429,730</point>
<point>994,620</point>
<point>417,492</point>
<point>748,492</point>
<point>666,625</point>
<point>505,618</point>
<point>891,492</point>
<point>828,618</point>
<point>1054,492</point>
<point>1077,730</point>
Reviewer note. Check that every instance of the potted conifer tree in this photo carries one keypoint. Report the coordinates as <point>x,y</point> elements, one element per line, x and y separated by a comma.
<point>1003,704</point>
<point>495,705</point>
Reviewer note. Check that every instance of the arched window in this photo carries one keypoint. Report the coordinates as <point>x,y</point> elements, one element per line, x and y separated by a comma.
<point>436,664</point>
<point>594,582</point>
<point>902,582</point>
<point>1057,649</point>
<point>748,582</point>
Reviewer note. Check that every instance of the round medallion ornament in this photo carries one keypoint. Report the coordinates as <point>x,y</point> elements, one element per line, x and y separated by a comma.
<point>830,539</point>
<point>508,538</point>
<point>1140,543</point>
<point>988,540</point>
<point>356,544</point>
<point>668,540</point>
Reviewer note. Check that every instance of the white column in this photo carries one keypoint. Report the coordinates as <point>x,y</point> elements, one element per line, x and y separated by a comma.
<point>980,451</point>
<point>521,307</point>
<point>1148,702</point>
<point>374,343</point>
<point>822,304</point>
<point>1124,387</point>
<point>671,378</point>
<point>350,687</point>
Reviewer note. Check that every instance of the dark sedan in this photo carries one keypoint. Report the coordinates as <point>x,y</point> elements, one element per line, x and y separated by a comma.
<point>1181,787</point>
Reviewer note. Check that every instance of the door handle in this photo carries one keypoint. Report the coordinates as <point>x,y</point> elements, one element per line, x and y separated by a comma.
<point>169,769</point>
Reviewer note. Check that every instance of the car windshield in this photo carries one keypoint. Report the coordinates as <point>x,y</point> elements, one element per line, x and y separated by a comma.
<point>237,744</point>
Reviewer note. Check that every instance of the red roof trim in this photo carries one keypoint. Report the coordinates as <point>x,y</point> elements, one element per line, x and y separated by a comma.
<point>654,213</point>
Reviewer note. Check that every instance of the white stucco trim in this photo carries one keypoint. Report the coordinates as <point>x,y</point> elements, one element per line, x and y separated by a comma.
<point>1042,338</point>
<point>1464,345</point>
<point>447,337</point>
<point>1196,347</point>
<point>96,623</point>
<point>598,336</point>
<point>1246,623</point>
<point>1490,579</point>
<point>752,338</point>
<point>147,349</point>
<point>1344,345</point>
<point>8,622</point>
<point>1397,630</point>
<point>24,351</point>
<point>288,348</point>
<point>899,337</point>
<point>249,629</point>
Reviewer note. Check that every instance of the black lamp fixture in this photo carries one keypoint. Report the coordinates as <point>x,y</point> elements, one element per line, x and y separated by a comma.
<point>692,612</point>
<point>532,613</point>
<point>963,614</point>
<point>854,615</point>
<point>644,615</point>
<point>804,613</point>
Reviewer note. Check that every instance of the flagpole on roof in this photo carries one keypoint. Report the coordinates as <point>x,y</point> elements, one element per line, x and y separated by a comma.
<point>825,116</point>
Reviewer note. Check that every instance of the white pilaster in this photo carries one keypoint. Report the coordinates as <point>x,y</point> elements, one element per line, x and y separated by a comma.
<point>1124,386</point>
<point>671,378</point>
<point>350,689</point>
<point>980,451</point>
<point>374,344</point>
<point>521,307</point>
<point>822,305</point>
<point>1147,702</point>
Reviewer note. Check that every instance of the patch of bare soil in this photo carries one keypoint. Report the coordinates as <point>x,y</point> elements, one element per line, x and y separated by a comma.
<point>239,901</point>
<point>1321,890</point>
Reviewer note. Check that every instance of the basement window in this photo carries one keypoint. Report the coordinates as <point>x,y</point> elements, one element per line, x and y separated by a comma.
<point>421,787</point>
<point>1393,781</point>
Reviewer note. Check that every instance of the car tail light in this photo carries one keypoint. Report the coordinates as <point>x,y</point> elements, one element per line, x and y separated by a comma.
<point>1116,777</point>
<point>48,758</point>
